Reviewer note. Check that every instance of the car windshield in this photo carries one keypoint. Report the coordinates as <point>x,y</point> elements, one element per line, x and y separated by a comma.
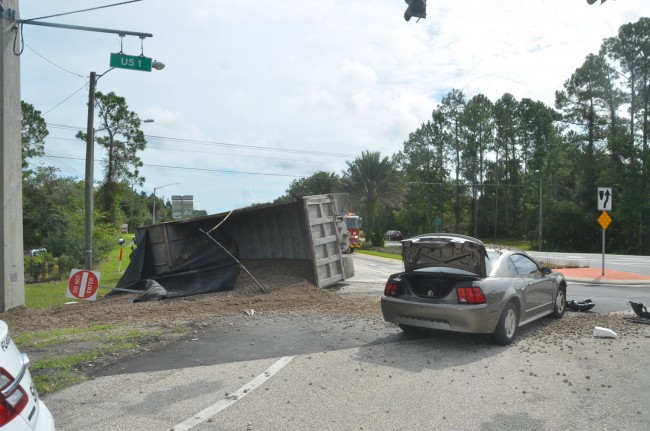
<point>353,222</point>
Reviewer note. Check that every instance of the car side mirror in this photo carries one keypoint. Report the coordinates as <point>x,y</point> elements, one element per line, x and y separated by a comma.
<point>546,271</point>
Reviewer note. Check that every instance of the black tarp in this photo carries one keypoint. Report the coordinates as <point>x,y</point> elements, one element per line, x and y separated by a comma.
<point>199,265</point>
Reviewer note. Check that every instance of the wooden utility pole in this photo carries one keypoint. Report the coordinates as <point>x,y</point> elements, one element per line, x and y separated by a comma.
<point>12,277</point>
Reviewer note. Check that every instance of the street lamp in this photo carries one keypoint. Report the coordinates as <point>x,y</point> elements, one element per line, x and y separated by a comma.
<point>153,218</point>
<point>90,162</point>
<point>540,208</point>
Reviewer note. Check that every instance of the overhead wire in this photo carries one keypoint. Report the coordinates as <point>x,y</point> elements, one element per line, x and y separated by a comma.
<point>222,144</point>
<point>64,100</point>
<point>53,63</point>
<point>82,10</point>
<point>185,168</point>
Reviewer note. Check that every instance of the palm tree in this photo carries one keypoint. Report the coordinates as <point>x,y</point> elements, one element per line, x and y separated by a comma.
<point>373,181</point>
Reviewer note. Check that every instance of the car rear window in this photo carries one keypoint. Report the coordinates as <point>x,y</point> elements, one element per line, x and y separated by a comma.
<point>490,259</point>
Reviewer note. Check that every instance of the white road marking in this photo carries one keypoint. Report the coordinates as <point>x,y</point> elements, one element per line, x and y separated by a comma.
<point>220,405</point>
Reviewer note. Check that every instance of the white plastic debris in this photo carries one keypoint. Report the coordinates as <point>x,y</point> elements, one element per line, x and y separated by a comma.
<point>604,332</point>
<point>250,312</point>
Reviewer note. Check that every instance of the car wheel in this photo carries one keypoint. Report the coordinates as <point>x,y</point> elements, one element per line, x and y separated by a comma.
<point>560,303</point>
<point>351,250</point>
<point>507,327</point>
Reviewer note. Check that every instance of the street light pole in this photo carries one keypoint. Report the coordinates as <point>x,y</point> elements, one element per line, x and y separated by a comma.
<point>90,163</point>
<point>540,212</point>
<point>153,218</point>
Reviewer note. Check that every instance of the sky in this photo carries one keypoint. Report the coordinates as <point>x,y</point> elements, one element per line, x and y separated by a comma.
<point>258,93</point>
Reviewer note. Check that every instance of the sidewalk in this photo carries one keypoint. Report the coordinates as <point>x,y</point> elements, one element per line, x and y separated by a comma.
<point>594,276</point>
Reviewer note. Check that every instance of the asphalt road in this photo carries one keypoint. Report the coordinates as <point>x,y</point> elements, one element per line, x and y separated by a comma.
<point>258,372</point>
<point>393,382</point>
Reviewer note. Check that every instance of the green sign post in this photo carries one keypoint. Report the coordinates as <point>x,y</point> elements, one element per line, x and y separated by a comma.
<point>132,62</point>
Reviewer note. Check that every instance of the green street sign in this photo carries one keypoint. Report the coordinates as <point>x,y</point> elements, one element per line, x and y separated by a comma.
<point>133,62</point>
<point>437,222</point>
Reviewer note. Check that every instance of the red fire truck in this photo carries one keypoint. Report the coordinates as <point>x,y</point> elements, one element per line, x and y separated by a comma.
<point>353,223</point>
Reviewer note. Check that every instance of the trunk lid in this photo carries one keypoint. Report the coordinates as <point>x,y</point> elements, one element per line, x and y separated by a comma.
<point>444,251</point>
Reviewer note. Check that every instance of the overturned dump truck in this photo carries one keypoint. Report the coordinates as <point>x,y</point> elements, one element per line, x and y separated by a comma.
<point>207,254</point>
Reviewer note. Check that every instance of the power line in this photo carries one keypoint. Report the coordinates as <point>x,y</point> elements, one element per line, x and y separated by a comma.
<point>222,144</point>
<point>185,168</point>
<point>154,146</point>
<point>250,147</point>
<point>64,100</point>
<point>53,63</point>
<point>82,10</point>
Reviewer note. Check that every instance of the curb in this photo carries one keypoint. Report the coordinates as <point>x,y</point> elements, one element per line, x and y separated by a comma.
<point>609,282</point>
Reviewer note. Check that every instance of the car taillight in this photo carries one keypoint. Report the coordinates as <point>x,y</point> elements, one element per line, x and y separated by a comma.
<point>11,402</point>
<point>470,295</point>
<point>391,288</point>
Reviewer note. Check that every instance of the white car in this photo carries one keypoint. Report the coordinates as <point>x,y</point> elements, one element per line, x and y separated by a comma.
<point>20,407</point>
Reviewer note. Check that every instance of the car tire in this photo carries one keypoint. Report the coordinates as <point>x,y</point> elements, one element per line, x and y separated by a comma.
<point>506,330</point>
<point>559,306</point>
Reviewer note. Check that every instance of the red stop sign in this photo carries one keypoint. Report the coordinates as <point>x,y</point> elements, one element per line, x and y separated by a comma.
<point>83,284</point>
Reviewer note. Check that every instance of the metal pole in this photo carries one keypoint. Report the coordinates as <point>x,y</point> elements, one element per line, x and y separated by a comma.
<point>540,211</point>
<point>603,272</point>
<point>153,219</point>
<point>90,161</point>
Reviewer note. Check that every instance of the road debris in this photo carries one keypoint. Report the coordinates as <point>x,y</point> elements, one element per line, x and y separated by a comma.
<point>582,306</point>
<point>604,332</point>
<point>640,310</point>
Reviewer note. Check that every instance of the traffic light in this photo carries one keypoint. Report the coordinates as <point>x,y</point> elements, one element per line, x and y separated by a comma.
<point>417,8</point>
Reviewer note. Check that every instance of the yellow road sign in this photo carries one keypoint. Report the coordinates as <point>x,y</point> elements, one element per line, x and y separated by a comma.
<point>604,220</point>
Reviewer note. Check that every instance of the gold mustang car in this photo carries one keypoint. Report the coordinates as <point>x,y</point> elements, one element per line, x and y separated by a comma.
<point>453,283</point>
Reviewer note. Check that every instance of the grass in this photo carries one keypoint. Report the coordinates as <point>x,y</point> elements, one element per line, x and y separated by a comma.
<point>53,293</point>
<point>36,339</point>
<point>57,373</point>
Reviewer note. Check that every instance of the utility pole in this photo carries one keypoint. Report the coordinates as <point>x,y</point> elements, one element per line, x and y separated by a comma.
<point>12,274</point>
<point>90,182</point>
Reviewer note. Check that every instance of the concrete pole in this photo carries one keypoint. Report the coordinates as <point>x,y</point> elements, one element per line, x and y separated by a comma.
<point>90,163</point>
<point>12,273</point>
